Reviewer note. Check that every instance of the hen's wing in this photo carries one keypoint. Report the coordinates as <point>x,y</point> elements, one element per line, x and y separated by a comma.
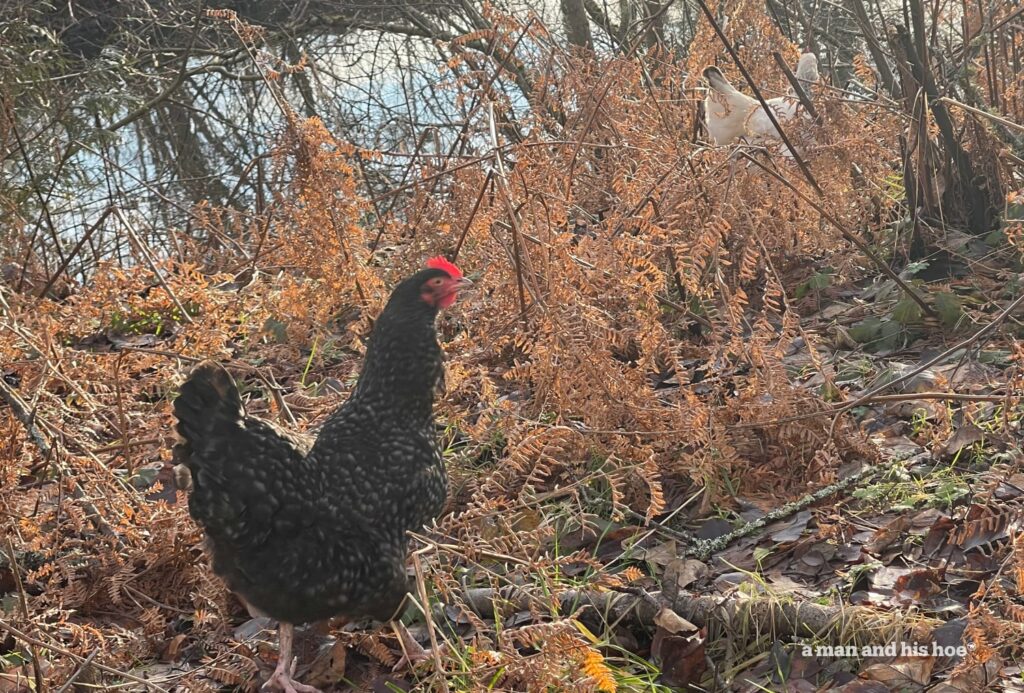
<point>759,126</point>
<point>249,480</point>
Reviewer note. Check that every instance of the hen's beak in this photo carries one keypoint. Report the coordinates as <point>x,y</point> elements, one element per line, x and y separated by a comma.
<point>462,283</point>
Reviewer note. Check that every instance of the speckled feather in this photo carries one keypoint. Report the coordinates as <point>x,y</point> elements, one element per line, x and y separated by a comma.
<point>304,536</point>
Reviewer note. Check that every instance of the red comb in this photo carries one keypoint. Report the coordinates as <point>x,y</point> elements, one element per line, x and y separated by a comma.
<point>442,263</point>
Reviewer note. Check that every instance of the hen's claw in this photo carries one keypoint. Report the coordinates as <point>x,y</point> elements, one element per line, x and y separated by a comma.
<point>282,680</point>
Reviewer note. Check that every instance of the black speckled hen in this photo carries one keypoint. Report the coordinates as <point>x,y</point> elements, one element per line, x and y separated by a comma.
<point>304,534</point>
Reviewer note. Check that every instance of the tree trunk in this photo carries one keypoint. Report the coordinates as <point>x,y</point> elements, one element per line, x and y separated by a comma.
<point>577,26</point>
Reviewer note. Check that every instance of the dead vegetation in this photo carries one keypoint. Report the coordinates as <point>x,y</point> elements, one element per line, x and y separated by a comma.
<point>667,340</point>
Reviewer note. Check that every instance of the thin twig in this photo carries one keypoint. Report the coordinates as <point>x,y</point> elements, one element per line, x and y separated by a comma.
<point>27,419</point>
<point>23,602</point>
<point>151,261</point>
<point>421,589</point>
<point>426,179</point>
<point>78,672</point>
<point>68,653</point>
<point>986,114</point>
<point>172,87</point>
<point>472,215</point>
<point>512,213</point>
<point>798,88</point>
<point>848,235</point>
<point>122,444</point>
<point>74,251</point>
<point>949,396</point>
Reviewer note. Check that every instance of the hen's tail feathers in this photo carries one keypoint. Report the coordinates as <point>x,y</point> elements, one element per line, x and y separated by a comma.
<point>718,81</point>
<point>807,68</point>
<point>209,399</point>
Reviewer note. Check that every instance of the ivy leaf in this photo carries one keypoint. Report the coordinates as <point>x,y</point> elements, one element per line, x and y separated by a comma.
<point>913,268</point>
<point>145,477</point>
<point>866,330</point>
<point>816,282</point>
<point>995,239</point>
<point>947,305</point>
<point>889,335</point>
<point>906,312</point>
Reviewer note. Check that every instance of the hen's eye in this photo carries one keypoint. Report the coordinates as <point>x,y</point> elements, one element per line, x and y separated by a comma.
<point>436,281</point>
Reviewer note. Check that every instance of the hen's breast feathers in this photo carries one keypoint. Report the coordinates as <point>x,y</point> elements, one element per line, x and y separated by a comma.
<point>398,479</point>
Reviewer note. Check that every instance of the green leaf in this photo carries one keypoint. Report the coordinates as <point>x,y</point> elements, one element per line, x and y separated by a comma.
<point>995,239</point>
<point>998,357</point>
<point>866,330</point>
<point>913,268</point>
<point>816,282</point>
<point>830,393</point>
<point>820,280</point>
<point>144,478</point>
<point>907,312</point>
<point>947,305</point>
<point>889,336</point>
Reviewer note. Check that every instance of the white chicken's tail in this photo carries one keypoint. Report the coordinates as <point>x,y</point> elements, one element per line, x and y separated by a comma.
<point>807,68</point>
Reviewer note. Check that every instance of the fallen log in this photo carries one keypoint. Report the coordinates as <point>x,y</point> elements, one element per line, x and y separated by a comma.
<point>762,615</point>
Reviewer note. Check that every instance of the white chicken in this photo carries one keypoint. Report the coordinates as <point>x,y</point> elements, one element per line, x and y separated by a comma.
<point>731,115</point>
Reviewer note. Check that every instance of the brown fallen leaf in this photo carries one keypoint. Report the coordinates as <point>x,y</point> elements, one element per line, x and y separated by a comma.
<point>682,659</point>
<point>17,680</point>
<point>173,648</point>
<point>917,586</point>
<point>926,519</point>
<point>979,677</point>
<point>937,536</point>
<point>983,525</point>
<point>964,437</point>
<point>792,530</point>
<point>885,536</point>
<point>906,673</point>
<point>860,686</point>
<point>884,579</point>
<point>680,574</point>
<point>329,666</point>
<point>661,554</point>
<point>674,623</point>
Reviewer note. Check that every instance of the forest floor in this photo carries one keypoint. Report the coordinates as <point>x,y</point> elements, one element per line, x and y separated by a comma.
<point>906,572</point>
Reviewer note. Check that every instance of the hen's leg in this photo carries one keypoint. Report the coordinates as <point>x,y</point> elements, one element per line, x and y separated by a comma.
<point>412,652</point>
<point>282,679</point>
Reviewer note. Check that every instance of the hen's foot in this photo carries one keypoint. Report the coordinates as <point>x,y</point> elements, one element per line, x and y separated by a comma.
<point>281,680</point>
